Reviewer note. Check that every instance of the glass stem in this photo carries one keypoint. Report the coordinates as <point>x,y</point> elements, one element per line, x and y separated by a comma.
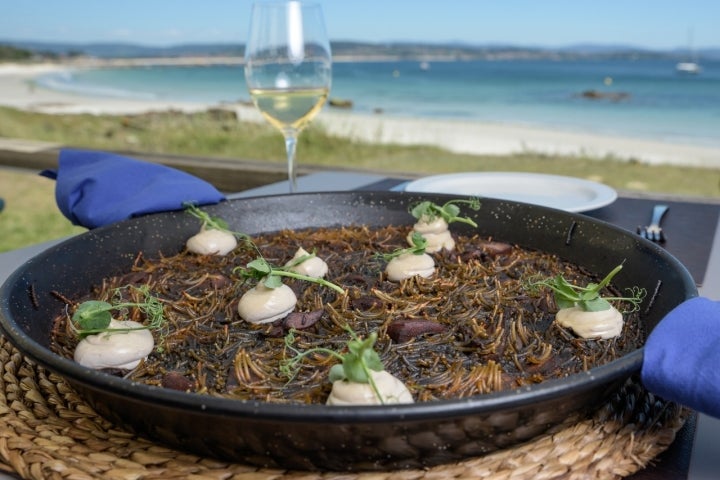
<point>290,145</point>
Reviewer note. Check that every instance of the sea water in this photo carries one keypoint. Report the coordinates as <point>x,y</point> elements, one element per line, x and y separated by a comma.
<point>639,98</point>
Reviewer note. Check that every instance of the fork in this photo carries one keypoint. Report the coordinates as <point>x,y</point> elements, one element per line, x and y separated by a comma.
<point>654,231</point>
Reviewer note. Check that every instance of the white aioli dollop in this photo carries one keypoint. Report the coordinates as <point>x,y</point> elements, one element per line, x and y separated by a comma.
<point>390,387</point>
<point>312,267</point>
<point>261,304</point>
<point>408,265</point>
<point>601,324</point>
<point>210,241</point>
<point>436,232</point>
<point>115,349</point>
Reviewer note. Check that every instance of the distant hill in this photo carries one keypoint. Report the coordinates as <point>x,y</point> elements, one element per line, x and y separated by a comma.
<point>126,50</point>
<point>12,53</point>
<point>401,50</point>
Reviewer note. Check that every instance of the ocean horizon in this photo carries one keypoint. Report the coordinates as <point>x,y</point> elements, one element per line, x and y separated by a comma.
<point>644,98</point>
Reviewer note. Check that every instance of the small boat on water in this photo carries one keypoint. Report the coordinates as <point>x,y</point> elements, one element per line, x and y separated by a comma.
<point>692,68</point>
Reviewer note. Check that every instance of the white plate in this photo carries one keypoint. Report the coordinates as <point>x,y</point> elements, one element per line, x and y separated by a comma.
<point>564,193</point>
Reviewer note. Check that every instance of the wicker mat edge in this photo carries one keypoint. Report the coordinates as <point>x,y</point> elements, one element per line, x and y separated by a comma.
<point>48,432</point>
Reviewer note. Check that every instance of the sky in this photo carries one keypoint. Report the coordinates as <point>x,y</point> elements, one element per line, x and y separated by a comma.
<point>653,24</point>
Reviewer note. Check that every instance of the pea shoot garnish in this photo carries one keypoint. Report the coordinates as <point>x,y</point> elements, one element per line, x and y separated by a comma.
<point>407,262</point>
<point>450,211</point>
<point>433,222</point>
<point>262,271</point>
<point>419,243</point>
<point>94,316</point>
<point>355,365</point>
<point>214,237</point>
<point>588,298</point>
<point>208,221</point>
<point>359,378</point>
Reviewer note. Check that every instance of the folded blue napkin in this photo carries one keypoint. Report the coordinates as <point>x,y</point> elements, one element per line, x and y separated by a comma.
<point>98,188</point>
<point>682,356</point>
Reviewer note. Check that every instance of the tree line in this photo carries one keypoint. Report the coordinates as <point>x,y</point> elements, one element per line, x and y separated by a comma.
<point>10,53</point>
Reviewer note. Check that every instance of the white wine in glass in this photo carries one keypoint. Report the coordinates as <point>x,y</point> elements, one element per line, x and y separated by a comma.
<point>288,68</point>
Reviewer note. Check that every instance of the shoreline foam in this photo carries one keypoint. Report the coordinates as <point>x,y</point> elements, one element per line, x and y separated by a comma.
<point>18,90</point>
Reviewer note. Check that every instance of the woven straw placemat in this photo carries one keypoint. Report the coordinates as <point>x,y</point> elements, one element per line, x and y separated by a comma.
<point>48,432</point>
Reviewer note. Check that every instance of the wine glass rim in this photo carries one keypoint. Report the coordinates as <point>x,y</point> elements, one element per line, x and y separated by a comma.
<point>278,3</point>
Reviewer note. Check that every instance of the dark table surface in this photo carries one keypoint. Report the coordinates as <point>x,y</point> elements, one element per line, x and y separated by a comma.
<point>689,227</point>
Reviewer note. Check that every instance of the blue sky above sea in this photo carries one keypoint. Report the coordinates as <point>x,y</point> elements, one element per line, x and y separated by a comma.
<point>651,24</point>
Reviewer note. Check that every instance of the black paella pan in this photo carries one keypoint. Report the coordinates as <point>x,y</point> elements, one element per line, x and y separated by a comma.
<point>314,437</point>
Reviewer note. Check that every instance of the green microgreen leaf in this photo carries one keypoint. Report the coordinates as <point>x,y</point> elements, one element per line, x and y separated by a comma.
<point>588,298</point>
<point>259,267</point>
<point>94,316</point>
<point>262,271</point>
<point>356,364</point>
<point>419,245</point>
<point>272,281</point>
<point>597,304</point>
<point>450,211</point>
<point>361,358</point>
<point>337,372</point>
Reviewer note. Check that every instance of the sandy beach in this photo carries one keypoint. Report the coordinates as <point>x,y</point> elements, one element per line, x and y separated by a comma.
<point>19,91</point>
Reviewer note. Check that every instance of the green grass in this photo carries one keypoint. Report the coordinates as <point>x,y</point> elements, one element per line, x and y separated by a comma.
<point>31,215</point>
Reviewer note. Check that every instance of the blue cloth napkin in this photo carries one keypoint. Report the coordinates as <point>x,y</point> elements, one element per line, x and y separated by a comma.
<point>98,188</point>
<point>682,356</point>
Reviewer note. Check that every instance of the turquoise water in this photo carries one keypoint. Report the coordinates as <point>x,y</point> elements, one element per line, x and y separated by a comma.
<point>661,104</point>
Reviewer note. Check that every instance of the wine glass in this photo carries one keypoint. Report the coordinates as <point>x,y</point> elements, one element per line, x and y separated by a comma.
<point>288,68</point>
